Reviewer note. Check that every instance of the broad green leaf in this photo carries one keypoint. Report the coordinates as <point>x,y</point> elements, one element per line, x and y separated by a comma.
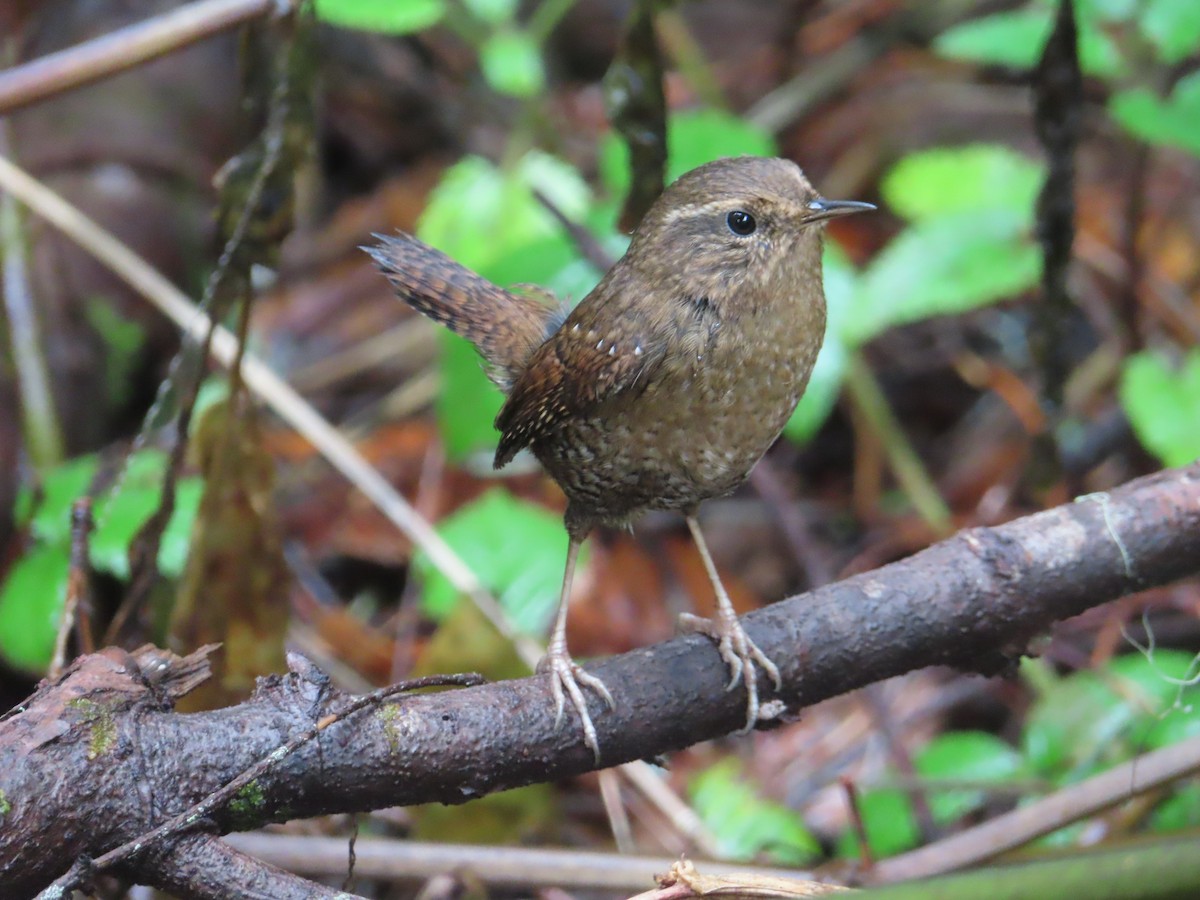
<point>1017,38</point>
<point>965,756</point>
<point>1092,719</point>
<point>826,380</point>
<point>1173,26</point>
<point>510,238</point>
<point>504,216</point>
<point>693,138</point>
<point>975,178</point>
<point>61,487</point>
<point>1162,405</point>
<point>516,548</point>
<point>384,16</point>
<point>1178,812</point>
<point>31,602</point>
<point>512,63</point>
<point>745,824</point>
<point>889,822</point>
<point>468,402</point>
<point>494,12</point>
<point>1013,38</point>
<point>1174,122</point>
<point>946,265</point>
<point>120,516</point>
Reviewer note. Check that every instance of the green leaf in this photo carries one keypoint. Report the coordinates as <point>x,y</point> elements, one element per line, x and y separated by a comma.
<point>123,339</point>
<point>975,178</point>
<point>31,602</point>
<point>1178,812</point>
<point>744,823</point>
<point>1016,39</point>
<point>121,515</point>
<point>505,216</point>
<point>1174,122</point>
<point>510,238</point>
<point>516,548</point>
<point>1092,719</point>
<point>693,138</point>
<point>1162,404</point>
<point>494,12</point>
<point>1011,39</point>
<point>889,822</point>
<point>1173,26</point>
<point>383,16</point>
<point>965,756</point>
<point>826,381</point>
<point>61,487</point>
<point>512,63</point>
<point>468,402</point>
<point>947,265</point>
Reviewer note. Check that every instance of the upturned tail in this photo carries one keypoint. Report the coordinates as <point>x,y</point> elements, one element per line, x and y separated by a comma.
<point>504,327</point>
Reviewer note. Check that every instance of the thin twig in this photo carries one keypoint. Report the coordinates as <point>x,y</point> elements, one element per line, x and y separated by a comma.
<point>906,465</point>
<point>197,814</point>
<point>126,48</point>
<point>42,429</point>
<point>525,868</point>
<point>77,606</point>
<point>342,455</point>
<point>1019,827</point>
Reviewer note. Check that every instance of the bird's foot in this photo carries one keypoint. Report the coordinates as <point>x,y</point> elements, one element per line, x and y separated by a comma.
<point>741,654</point>
<point>568,680</point>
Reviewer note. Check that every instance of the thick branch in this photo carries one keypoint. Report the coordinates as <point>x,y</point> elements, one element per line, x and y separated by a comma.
<point>98,758</point>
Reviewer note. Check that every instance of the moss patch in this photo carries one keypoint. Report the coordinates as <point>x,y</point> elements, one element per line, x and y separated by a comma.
<point>100,721</point>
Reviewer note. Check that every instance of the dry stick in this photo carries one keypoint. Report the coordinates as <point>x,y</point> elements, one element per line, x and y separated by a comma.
<point>524,868</point>
<point>39,414</point>
<point>126,48</point>
<point>194,816</point>
<point>78,589</point>
<point>340,453</point>
<point>203,867</point>
<point>1147,772</point>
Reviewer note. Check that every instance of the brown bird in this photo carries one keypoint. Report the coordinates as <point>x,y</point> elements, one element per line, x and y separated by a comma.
<point>664,385</point>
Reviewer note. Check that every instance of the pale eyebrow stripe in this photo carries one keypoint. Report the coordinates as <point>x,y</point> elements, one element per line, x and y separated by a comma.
<point>690,211</point>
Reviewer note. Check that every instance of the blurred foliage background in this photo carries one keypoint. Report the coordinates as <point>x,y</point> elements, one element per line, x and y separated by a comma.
<point>483,126</point>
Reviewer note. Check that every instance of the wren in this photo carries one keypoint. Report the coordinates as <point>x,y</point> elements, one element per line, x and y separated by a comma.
<point>667,383</point>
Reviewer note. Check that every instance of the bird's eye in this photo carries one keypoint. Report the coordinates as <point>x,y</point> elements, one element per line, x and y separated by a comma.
<point>741,222</point>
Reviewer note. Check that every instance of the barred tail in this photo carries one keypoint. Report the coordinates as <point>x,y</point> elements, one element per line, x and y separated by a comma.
<point>504,327</point>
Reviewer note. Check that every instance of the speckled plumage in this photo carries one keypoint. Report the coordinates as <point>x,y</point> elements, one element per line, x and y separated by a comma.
<point>667,382</point>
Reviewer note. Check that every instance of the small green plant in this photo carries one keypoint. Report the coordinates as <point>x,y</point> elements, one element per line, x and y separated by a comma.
<point>515,547</point>
<point>1123,42</point>
<point>746,825</point>
<point>510,51</point>
<point>968,242</point>
<point>1079,725</point>
<point>1163,405</point>
<point>31,597</point>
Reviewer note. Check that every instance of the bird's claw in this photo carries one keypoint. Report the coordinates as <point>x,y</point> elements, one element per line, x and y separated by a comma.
<point>568,680</point>
<point>741,655</point>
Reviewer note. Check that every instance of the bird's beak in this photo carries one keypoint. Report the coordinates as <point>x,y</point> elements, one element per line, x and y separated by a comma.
<point>821,209</point>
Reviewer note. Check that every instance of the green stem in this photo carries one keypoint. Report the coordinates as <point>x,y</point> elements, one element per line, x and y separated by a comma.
<point>914,480</point>
<point>1168,867</point>
<point>545,16</point>
<point>43,433</point>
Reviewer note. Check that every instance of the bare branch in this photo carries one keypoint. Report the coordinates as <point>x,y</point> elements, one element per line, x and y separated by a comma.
<point>98,758</point>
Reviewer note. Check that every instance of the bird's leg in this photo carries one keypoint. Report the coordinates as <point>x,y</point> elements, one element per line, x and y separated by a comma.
<point>739,652</point>
<point>566,677</point>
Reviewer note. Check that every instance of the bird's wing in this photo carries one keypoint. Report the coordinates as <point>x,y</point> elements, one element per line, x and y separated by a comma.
<point>572,374</point>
